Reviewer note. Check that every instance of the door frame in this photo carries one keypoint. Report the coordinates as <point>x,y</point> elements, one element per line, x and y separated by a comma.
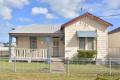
<point>56,45</point>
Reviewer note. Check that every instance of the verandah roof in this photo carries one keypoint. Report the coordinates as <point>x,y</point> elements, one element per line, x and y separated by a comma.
<point>38,28</point>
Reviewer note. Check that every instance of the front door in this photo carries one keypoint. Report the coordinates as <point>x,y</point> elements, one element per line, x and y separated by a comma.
<point>55,47</point>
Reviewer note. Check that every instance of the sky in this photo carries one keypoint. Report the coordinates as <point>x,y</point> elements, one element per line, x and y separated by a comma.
<point>14,13</point>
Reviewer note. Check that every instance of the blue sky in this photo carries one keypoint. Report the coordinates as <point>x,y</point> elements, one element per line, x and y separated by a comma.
<point>15,13</point>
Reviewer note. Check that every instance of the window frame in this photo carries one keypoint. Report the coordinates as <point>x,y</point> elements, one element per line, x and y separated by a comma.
<point>92,43</point>
<point>86,43</point>
<point>32,39</point>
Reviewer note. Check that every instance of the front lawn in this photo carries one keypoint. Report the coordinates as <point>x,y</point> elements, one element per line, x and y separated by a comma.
<point>53,76</point>
<point>44,76</point>
<point>40,71</point>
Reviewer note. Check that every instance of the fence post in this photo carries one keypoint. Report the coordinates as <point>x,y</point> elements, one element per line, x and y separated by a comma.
<point>68,65</point>
<point>14,65</point>
<point>49,64</point>
<point>110,66</point>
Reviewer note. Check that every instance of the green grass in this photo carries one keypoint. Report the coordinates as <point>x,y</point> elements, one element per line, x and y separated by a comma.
<point>52,76</point>
<point>44,76</point>
<point>92,68</point>
<point>40,71</point>
<point>23,67</point>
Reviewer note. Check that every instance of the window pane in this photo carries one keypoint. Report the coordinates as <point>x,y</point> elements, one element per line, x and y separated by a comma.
<point>33,42</point>
<point>90,43</point>
<point>82,43</point>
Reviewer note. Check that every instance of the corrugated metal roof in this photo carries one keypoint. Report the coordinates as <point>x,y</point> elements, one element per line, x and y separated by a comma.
<point>86,34</point>
<point>38,28</point>
<point>115,30</point>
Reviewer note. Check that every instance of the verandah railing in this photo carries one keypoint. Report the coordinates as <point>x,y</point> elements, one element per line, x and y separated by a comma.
<point>28,53</point>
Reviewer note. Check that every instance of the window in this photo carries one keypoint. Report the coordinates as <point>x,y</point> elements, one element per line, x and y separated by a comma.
<point>86,43</point>
<point>82,43</point>
<point>90,43</point>
<point>33,42</point>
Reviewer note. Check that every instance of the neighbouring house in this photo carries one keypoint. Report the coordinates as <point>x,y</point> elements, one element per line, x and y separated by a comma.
<point>85,32</point>
<point>1,44</point>
<point>114,38</point>
<point>114,43</point>
<point>3,49</point>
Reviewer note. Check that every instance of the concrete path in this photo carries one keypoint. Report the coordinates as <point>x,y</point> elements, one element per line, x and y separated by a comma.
<point>57,66</point>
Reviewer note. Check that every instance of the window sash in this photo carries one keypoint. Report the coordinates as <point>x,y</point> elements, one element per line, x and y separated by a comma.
<point>86,43</point>
<point>33,42</point>
<point>82,43</point>
<point>90,43</point>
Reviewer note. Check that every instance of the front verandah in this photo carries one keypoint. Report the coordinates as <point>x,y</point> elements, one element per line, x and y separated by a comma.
<point>35,54</point>
<point>27,54</point>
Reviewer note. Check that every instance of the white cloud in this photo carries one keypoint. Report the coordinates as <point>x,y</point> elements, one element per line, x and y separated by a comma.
<point>5,28</point>
<point>44,11</point>
<point>112,3</point>
<point>5,12</point>
<point>71,8</point>
<point>39,10</point>
<point>16,3</point>
<point>25,19</point>
<point>50,16</point>
<point>66,8</point>
<point>108,8</point>
<point>7,5</point>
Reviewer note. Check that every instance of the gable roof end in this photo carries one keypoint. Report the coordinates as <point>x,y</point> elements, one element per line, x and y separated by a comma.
<point>84,15</point>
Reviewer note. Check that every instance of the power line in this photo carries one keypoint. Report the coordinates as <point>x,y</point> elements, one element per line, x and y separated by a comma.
<point>112,15</point>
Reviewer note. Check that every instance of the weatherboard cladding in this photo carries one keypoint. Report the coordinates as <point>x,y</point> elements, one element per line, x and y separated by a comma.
<point>87,14</point>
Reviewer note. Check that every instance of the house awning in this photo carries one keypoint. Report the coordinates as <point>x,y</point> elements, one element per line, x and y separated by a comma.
<point>86,34</point>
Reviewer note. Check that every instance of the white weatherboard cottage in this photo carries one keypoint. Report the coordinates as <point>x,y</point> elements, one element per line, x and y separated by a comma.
<point>86,32</point>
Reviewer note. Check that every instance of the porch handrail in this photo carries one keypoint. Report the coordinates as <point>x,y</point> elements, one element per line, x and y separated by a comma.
<point>29,53</point>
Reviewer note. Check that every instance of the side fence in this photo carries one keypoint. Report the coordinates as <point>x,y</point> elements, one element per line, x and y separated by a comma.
<point>114,52</point>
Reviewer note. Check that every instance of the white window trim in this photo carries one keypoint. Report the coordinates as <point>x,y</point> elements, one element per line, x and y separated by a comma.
<point>86,44</point>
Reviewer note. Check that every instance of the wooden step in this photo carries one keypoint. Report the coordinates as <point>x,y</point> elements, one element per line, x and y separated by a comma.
<point>56,59</point>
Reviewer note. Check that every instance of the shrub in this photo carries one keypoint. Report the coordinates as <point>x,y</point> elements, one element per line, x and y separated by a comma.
<point>84,57</point>
<point>86,54</point>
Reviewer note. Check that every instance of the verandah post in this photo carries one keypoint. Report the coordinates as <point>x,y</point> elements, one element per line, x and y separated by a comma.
<point>10,42</point>
<point>48,39</point>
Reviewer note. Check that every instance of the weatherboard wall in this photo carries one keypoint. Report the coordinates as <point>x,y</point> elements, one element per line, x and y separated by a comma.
<point>86,24</point>
<point>114,40</point>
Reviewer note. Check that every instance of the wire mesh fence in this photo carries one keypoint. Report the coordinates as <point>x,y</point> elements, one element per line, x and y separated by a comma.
<point>22,66</point>
<point>87,66</point>
<point>83,66</point>
<point>91,66</point>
